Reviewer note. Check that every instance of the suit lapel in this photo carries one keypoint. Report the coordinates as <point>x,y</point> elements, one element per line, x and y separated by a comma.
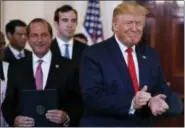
<point>53,73</point>
<point>29,75</point>
<point>120,64</point>
<point>75,50</point>
<point>9,55</point>
<point>142,64</point>
<point>55,48</point>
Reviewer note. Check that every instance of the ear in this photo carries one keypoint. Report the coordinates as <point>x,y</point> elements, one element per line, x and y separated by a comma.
<point>9,35</point>
<point>114,26</point>
<point>56,24</point>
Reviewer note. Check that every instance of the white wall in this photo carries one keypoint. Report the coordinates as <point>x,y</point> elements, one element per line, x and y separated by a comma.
<point>27,10</point>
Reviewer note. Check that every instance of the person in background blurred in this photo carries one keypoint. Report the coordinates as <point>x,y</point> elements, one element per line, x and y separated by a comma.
<point>65,18</point>
<point>3,77</point>
<point>17,36</point>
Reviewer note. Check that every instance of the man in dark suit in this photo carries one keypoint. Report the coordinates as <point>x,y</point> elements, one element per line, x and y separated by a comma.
<point>16,34</point>
<point>41,70</point>
<point>121,81</point>
<point>65,45</point>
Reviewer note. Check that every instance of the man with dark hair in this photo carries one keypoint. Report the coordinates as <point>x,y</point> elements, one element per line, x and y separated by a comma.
<point>42,70</point>
<point>16,34</point>
<point>81,37</point>
<point>65,45</point>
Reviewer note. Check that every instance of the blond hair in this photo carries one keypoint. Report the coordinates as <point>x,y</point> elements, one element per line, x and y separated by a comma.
<point>130,8</point>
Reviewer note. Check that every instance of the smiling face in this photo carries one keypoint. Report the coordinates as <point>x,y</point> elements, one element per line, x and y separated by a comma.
<point>129,28</point>
<point>39,38</point>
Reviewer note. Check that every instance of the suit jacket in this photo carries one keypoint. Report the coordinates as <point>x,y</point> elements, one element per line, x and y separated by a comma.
<point>78,48</point>
<point>61,77</point>
<point>107,87</point>
<point>9,56</point>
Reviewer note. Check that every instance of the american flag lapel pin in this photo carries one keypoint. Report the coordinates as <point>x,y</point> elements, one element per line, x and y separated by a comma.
<point>56,66</point>
<point>144,57</point>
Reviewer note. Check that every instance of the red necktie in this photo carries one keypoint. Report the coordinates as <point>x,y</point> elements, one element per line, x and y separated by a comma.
<point>132,69</point>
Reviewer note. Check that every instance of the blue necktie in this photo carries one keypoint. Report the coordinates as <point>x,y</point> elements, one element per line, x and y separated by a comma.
<point>66,53</point>
<point>20,55</point>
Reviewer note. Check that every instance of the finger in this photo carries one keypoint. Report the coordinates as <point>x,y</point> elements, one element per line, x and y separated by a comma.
<point>160,112</point>
<point>164,104</point>
<point>144,95</point>
<point>28,119</point>
<point>53,111</point>
<point>59,115</point>
<point>162,96</point>
<point>30,122</point>
<point>154,113</point>
<point>144,89</point>
<point>142,103</point>
<point>145,99</point>
<point>54,119</point>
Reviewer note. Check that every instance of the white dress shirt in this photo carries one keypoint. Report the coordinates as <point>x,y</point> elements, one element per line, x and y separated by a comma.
<point>16,52</point>
<point>45,65</point>
<point>123,49</point>
<point>62,46</point>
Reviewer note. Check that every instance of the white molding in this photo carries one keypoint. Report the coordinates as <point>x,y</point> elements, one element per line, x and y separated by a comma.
<point>1,14</point>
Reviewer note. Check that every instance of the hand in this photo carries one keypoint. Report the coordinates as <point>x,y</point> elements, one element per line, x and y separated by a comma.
<point>24,121</point>
<point>158,105</point>
<point>141,98</point>
<point>56,116</point>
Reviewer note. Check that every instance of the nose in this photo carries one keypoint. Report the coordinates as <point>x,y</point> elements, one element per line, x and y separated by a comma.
<point>70,24</point>
<point>134,27</point>
<point>39,38</point>
<point>24,36</point>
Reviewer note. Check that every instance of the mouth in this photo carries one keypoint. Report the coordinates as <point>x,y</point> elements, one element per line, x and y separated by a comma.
<point>70,31</point>
<point>40,45</point>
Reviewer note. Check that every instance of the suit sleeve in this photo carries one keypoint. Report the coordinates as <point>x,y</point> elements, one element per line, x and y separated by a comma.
<point>9,104</point>
<point>159,79</point>
<point>96,98</point>
<point>74,103</point>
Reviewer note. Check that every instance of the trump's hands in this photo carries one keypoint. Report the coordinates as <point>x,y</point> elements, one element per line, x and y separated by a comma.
<point>24,121</point>
<point>141,98</point>
<point>158,105</point>
<point>56,116</point>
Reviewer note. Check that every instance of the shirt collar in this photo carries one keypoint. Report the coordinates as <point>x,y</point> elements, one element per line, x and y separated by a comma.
<point>122,46</point>
<point>15,51</point>
<point>46,58</point>
<point>61,42</point>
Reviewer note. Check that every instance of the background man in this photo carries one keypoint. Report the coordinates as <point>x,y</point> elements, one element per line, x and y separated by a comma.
<point>17,36</point>
<point>64,44</point>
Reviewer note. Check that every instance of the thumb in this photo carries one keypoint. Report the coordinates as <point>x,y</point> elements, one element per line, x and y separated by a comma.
<point>162,96</point>
<point>144,89</point>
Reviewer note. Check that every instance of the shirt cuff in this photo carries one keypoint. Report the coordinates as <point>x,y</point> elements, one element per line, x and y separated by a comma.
<point>131,109</point>
<point>66,123</point>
